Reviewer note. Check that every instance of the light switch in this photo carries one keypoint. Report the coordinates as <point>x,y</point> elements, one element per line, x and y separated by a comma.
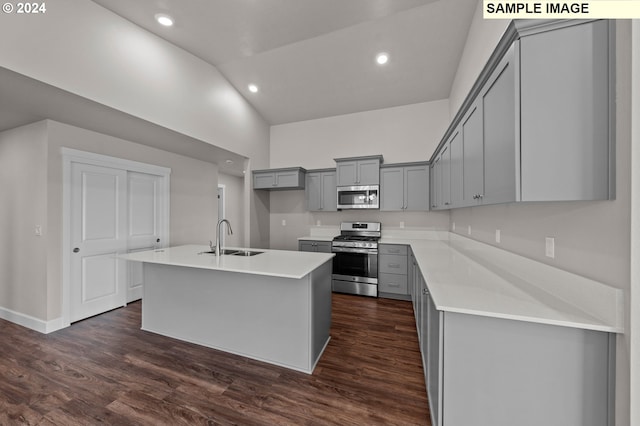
<point>38,230</point>
<point>550,247</point>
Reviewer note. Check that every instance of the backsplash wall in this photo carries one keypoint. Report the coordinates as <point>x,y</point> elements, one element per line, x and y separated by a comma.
<point>290,206</point>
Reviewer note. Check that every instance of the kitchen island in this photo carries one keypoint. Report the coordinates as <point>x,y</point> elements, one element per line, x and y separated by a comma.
<point>274,306</point>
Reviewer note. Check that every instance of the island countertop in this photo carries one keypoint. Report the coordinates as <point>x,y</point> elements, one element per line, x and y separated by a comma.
<point>275,263</point>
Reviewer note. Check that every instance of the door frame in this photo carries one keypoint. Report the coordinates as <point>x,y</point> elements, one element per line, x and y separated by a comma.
<point>70,156</point>
<point>222,208</point>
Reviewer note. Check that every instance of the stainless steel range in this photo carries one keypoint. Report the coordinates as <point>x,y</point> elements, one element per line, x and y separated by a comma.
<point>355,266</point>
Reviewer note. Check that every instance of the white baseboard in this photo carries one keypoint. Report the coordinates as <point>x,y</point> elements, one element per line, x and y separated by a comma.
<point>33,323</point>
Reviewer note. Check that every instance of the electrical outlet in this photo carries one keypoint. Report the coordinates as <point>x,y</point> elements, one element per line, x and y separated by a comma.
<point>453,226</point>
<point>550,247</point>
<point>318,223</point>
<point>469,230</point>
<point>497,235</point>
<point>38,230</point>
<point>401,224</point>
<point>284,222</point>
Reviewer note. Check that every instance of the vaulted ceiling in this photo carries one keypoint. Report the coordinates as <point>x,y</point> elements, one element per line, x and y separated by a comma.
<point>316,58</point>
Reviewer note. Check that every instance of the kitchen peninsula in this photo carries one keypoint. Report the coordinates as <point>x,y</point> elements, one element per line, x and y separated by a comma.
<point>274,306</point>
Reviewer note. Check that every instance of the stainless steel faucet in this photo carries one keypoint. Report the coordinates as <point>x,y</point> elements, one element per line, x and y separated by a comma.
<point>218,249</point>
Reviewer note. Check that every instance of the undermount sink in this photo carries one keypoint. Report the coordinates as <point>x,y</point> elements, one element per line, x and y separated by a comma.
<point>246,253</point>
<point>233,252</point>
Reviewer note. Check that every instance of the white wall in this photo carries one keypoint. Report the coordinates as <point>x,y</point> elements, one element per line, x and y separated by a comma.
<point>234,207</point>
<point>23,202</point>
<point>405,133</point>
<point>591,238</point>
<point>400,134</point>
<point>31,194</point>
<point>84,49</point>
<point>483,37</point>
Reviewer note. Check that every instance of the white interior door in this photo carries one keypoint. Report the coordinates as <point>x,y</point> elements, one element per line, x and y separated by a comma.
<point>145,224</point>
<point>98,236</point>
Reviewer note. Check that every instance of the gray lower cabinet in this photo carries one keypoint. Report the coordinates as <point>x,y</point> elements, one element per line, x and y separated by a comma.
<point>279,179</point>
<point>392,271</point>
<point>321,190</point>
<point>486,371</point>
<point>358,171</point>
<point>404,187</point>
<point>314,246</point>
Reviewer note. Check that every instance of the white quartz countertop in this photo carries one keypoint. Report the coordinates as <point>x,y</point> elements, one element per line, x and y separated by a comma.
<point>469,277</point>
<point>466,276</point>
<point>277,263</point>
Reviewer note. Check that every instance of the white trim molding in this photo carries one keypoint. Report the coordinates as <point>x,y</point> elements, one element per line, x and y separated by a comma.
<point>33,323</point>
<point>634,303</point>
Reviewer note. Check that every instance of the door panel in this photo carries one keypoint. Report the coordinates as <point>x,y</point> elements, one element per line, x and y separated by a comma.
<point>145,222</point>
<point>98,236</point>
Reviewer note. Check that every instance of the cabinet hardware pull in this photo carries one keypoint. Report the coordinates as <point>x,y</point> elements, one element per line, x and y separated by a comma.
<point>394,265</point>
<point>76,250</point>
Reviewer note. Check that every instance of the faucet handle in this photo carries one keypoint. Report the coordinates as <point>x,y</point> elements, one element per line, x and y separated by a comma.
<point>211,246</point>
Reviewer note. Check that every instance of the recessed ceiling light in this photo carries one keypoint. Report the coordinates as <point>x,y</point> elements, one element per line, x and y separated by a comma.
<point>382,58</point>
<point>164,19</point>
<point>253,88</point>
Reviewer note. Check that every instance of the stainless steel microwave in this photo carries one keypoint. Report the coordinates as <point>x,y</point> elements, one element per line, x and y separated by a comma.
<point>359,197</point>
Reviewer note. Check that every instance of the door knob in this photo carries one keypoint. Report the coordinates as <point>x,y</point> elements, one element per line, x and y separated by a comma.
<point>76,250</point>
<point>158,240</point>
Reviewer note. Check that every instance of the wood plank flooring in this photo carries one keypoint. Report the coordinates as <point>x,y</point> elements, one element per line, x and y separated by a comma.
<point>105,370</point>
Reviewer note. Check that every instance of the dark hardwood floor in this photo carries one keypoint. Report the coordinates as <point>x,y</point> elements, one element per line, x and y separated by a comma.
<point>105,370</point>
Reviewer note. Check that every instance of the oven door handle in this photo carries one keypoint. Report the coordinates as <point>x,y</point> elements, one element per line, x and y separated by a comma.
<point>353,250</point>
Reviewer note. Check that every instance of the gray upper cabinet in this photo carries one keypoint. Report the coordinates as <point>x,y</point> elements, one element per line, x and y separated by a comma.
<point>456,169</point>
<point>472,156</point>
<point>321,190</point>
<point>279,179</point>
<point>404,187</point>
<point>499,138</point>
<point>536,126</point>
<point>358,171</point>
<point>564,104</point>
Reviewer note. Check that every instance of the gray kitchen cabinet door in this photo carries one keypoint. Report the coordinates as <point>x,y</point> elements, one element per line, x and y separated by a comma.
<point>288,179</point>
<point>314,246</point>
<point>347,173</point>
<point>436,201</point>
<point>565,113</point>
<point>391,188</point>
<point>314,191</point>
<point>472,156</point>
<point>329,195</point>
<point>321,191</point>
<point>359,171</point>
<point>369,172</point>
<point>456,169</point>
<point>500,139</point>
<point>445,177</point>
<point>306,246</point>
<point>501,372</point>
<point>434,349</point>
<point>264,180</point>
<point>433,196</point>
<point>416,188</point>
